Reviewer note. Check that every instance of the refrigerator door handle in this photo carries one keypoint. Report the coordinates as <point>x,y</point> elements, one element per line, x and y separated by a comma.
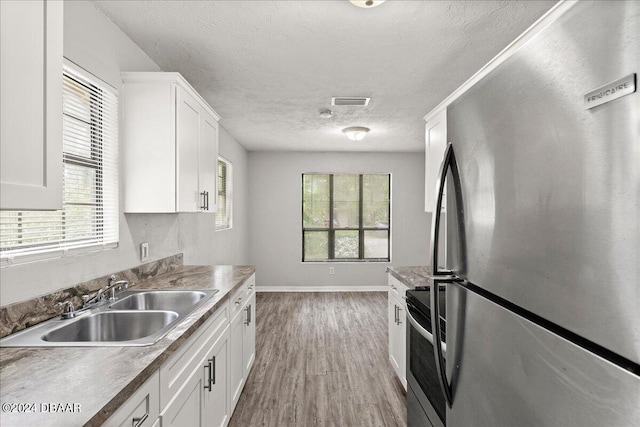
<point>435,222</point>
<point>438,345</point>
<point>444,276</point>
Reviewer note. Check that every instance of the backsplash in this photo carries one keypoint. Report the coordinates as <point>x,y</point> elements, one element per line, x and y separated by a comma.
<point>21,315</point>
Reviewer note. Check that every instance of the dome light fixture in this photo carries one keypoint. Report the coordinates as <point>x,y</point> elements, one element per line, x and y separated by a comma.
<point>367,4</point>
<point>326,114</point>
<point>355,133</point>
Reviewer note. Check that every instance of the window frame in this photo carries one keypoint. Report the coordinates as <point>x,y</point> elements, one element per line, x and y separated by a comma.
<point>331,229</point>
<point>228,194</point>
<point>44,250</point>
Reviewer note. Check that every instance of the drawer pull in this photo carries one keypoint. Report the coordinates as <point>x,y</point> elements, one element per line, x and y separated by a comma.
<point>207,385</point>
<point>137,422</point>
<point>248,310</point>
<point>212,371</point>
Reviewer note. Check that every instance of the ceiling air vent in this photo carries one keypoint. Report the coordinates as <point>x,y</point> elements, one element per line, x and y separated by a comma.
<point>350,100</point>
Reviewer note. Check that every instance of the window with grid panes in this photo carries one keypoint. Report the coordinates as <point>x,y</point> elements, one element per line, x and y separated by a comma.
<point>346,217</point>
<point>89,218</point>
<point>223,214</point>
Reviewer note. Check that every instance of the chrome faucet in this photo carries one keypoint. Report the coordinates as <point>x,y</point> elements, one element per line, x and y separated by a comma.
<point>113,286</point>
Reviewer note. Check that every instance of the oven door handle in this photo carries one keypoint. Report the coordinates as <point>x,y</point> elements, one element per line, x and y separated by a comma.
<point>421,330</point>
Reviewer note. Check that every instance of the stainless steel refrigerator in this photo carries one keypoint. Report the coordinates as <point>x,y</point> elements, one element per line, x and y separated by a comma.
<point>543,231</point>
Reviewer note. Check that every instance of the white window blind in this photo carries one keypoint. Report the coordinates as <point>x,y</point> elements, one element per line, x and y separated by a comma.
<point>223,215</point>
<point>89,218</point>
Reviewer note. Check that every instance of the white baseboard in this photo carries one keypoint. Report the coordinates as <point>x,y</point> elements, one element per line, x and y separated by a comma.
<point>322,288</point>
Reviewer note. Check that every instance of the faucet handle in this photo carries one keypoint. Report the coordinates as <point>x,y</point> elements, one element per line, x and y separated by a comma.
<point>68,311</point>
<point>85,299</point>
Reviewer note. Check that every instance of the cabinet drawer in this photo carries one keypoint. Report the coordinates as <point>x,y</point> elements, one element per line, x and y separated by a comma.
<point>141,409</point>
<point>239,299</point>
<point>250,286</point>
<point>396,288</point>
<point>177,368</point>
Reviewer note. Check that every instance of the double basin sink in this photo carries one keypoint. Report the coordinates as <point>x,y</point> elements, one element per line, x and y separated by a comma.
<point>136,318</point>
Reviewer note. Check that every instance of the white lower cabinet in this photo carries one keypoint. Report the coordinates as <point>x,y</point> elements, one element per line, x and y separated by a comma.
<point>242,344</point>
<point>397,329</point>
<point>201,382</point>
<point>216,404</point>
<point>202,400</point>
<point>187,407</point>
<point>249,336</point>
<point>141,409</point>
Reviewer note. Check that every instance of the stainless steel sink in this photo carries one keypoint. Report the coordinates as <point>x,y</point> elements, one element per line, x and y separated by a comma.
<point>136,318</point>
<point>113,326</point>
<point>178,300</point>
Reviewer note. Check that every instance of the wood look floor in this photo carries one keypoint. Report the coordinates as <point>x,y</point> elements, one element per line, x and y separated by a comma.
<point>322,359</point>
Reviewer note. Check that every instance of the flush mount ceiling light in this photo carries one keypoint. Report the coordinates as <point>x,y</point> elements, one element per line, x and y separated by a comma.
<point>367,4</point>
<point>355,133</point>
<point>326,114</point>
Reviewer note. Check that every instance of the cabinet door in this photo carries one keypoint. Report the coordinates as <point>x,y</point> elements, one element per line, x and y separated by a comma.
<point>188,113</point>
<point>249,335</point>
<point>435,147</point>
<point>393,333</point>
<point>141,408</point>
<point>31,104</point>
<point>187,406</point>
<point>236,365</point>
<point>401,344</point>
<point>208,167</point>
<point>217,400</point>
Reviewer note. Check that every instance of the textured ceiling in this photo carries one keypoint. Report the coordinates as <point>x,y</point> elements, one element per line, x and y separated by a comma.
<point>268,67</point>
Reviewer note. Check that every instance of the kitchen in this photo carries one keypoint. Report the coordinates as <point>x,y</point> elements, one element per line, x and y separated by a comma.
<point>266,188</point>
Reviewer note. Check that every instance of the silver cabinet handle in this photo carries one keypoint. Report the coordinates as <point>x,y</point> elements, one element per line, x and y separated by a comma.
<point>238,301</point>
<point>204,200</point>
<point>399,317</point>
<point>248,311</point>
<point>207,385</point>
<point>137,422</point>
<point>212,371</point>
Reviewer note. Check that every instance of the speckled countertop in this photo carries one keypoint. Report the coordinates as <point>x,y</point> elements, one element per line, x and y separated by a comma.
<point>100,379</point>
<point>411,276</point>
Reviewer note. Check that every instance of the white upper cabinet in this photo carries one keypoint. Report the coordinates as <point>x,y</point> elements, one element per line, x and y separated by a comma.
<point>435,147</point>
<point>31,106</point>
<point>170,145</point>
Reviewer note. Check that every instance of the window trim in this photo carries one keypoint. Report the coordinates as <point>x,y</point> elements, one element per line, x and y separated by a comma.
<point>228,194</point>
<point>40,253</point>
<point>361,229</point>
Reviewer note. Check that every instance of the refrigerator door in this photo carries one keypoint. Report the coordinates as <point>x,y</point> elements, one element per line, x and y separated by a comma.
<point>551,190</point>
<point>515,373</point>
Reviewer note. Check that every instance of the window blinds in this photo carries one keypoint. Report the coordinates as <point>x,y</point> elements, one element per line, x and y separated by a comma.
<point>89,218</point>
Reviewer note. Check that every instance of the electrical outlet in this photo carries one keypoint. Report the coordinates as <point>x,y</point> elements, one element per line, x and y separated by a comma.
<point>331,270</point>
<point>144,251</point>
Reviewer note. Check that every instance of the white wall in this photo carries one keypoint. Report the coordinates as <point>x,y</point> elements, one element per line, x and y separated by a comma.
<point>276,210</point>
<point>93,42</point>
<point>203,245</point>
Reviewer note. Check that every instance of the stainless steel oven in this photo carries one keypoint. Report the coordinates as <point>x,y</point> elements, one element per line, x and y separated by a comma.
<point>426,404</point>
